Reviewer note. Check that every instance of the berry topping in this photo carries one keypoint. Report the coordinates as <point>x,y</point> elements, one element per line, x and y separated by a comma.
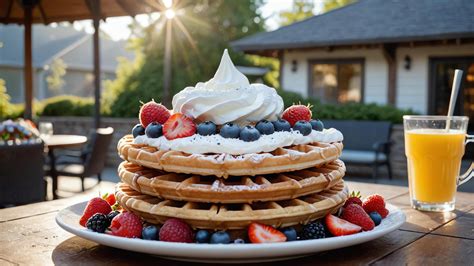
<point>290,233</point>
<point>314,230</point>
<point>230,131</point>
<point>296,113</point>
<point>239,241</point>
<point>154,130</point>
<point>281,125</point>
<point>110,198</point>
<point>112,215</point>
<point>339,227</point>
<point>153,112</point>
<point>375,216</point>
<point>150,232</point>
<point>354,198</point>
<point>317,125</point>
<point>202,236</point>
<point>356,215</point>
<point>98,223</point>
<point>95,205</point>
<point>249,133</point>
<point>179,126</point>
<point>138,130</point>
<point>261,233</point>
<point>375,203</point>
<point>303,127</point>
<point>220,237</point>
<point>175,230</point>
<point>265,127</point>
<point>126,224</point>
<point>206,128</point>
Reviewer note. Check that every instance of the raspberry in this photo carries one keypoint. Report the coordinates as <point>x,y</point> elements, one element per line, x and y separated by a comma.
<point>375,203</point>
<point>126,224</point>
<point>175,230</point>
<point>153,112</point>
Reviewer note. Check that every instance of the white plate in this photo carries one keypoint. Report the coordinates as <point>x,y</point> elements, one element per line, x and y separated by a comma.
<point>68,219</point>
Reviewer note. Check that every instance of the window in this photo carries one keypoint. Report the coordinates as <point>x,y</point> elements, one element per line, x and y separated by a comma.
<point>336,81</point>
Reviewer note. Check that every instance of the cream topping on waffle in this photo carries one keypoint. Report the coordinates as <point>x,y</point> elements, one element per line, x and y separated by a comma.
<point>198,144</point>
<point>228,97</point>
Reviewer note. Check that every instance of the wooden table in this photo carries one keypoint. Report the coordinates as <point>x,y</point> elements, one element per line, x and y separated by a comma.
<point>59,142</point>
<point>29,235</point>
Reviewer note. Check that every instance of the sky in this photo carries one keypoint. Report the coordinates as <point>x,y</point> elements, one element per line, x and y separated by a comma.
<point>118,29</point>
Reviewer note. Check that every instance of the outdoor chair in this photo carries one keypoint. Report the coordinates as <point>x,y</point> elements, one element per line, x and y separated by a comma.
<point>365,142</point>
<point>90,161</point>
<point>21,174</point>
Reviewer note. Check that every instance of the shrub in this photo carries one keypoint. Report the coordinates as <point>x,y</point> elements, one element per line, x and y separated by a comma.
<point>67,105</point>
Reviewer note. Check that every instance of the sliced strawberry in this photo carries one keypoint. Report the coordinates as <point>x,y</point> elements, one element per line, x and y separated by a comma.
<point>340,227</point>
<point>262,233</point>
<point>179,126</point>
<point>110,198</point>
<point>296,113</point>
<point>95,205</point>
<point>153,112</point>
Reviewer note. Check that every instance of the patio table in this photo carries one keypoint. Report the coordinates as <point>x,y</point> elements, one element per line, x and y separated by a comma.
<point>29,235</point>
<point>59,142</point>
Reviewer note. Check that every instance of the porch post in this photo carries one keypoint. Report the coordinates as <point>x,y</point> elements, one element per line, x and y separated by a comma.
<point>96,22</point>
<point>389,52</point>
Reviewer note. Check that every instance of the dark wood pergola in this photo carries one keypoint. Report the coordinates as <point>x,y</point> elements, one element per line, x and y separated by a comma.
<point>27,12</point>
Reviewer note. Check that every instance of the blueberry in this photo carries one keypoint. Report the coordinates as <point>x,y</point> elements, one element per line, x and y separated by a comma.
<point>317,125</point>
<point>206,128</point>
<point>138,130</point>
<point>249,133</point>
<point>230,131</point>
<point>203,236</point>
<point>220,237</point>
<point>290,233</point>
<point>150,232</point>
<point>265,127</point>
<point>239,241</point>
<point>375,216</point>
<point>281,125</point>
<point>303,127</point>
<point>154,130</point>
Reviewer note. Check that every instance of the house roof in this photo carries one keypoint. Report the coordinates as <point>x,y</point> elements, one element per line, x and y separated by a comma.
<point>369,22</point>
<point>72,46</point>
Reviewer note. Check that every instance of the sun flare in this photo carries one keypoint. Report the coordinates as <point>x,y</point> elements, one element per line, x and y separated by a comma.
<point>170,13</point>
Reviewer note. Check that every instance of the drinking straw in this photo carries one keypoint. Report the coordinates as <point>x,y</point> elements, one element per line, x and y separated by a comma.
<point>454,95</point>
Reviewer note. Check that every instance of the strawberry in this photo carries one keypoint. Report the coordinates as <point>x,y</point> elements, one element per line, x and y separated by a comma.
<point>296,113</point>
<point>126,224</point>
<point>340,227</point>
<point>153,112</point>
<point>95,205</point>
<point>179,126</point>
<point>375,203</point>
<point>262,233</point>
<point>175,230</point>
<point>354,198</point>
<point>356,215</point>
<point>110,198</point>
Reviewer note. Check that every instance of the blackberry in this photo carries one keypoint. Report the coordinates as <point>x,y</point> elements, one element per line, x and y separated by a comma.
<point>313,230</point>
<point>98,223</point>
<point>111,215</point>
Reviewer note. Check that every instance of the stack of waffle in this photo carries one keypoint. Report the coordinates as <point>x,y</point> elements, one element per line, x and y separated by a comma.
<point>286,187</point>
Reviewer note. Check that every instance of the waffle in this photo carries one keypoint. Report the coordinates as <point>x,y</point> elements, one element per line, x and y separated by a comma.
<point>233,216</point>
<point>235,189</point>
<point>286,159</point>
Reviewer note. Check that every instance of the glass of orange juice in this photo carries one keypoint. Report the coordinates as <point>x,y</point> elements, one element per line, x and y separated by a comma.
<point>434,146</point>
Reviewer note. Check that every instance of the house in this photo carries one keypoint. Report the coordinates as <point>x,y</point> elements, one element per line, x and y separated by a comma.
<point>397,52</point>
<point>63,42</point>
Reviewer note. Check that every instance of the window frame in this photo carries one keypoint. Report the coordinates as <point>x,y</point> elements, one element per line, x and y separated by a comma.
<point>337,61</point>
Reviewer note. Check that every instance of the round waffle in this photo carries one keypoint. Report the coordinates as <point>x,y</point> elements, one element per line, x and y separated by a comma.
<point>285,159</point>
<point>233,216</point>
<point>235,189</point>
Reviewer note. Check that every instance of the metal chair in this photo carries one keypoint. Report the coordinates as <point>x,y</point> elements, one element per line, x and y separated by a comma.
<point>88,162</point>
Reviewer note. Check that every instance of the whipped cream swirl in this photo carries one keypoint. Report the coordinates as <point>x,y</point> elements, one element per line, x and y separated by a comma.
<point>228,97</point>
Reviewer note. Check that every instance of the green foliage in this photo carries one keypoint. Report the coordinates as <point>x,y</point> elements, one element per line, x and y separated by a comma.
<point>302,9</point>
<point>4,100</point>
<point>333,4</point>
<point>67,105</point>
<point>200,32</point>
<point>55,78</point>
<point>348,111</point>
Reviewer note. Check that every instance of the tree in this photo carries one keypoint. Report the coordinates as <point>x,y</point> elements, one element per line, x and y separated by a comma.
<point>57,70</point>
<point>4,99</point>
<point>333,4</point>
<point>201,31</point>
<point>301,9</point>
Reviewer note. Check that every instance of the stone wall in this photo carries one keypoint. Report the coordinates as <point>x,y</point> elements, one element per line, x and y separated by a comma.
<point>123,126</point>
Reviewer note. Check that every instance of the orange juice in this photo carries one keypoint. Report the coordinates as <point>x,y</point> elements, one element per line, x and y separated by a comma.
<point>434,160</point>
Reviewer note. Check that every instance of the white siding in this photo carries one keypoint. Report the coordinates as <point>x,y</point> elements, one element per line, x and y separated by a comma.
<point>375,79</point>
<point>412,85</point>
